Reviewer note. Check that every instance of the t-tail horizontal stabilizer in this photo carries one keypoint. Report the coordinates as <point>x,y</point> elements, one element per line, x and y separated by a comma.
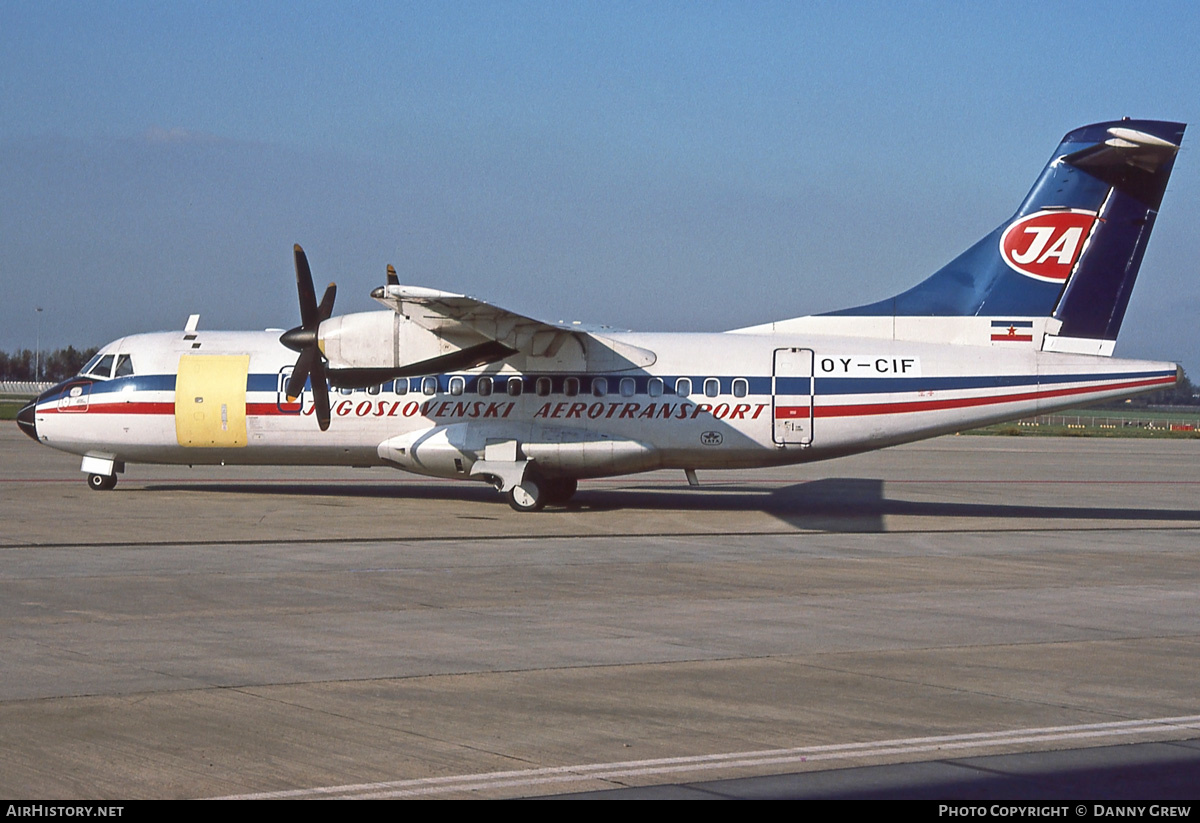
<point>1073,249</point>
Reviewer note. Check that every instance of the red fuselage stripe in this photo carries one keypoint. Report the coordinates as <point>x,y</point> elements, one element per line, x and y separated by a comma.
<point>130,407</point>
<point>964,402</point>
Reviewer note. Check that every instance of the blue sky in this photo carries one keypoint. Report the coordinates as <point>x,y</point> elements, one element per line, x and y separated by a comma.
<point>656,166</point>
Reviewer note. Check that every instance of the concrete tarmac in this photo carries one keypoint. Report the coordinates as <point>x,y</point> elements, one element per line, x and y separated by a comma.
<point>216,632</point>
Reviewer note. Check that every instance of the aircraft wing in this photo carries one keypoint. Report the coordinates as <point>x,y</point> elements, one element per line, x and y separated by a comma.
<point>448,314</point>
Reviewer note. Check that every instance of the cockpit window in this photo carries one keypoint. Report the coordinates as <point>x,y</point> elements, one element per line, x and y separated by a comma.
<point>103,368</point>
<point>87,368</point>
<point>124,366</point>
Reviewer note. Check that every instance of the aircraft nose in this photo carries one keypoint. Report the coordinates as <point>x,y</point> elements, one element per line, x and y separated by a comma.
<point>27,420</point>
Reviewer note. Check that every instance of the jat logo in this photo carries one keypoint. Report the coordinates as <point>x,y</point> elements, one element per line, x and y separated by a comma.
<point>1045,245</point>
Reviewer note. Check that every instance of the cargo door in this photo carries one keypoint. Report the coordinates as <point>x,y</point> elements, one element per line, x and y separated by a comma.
<point>210,400</point>
<point>793,397</point>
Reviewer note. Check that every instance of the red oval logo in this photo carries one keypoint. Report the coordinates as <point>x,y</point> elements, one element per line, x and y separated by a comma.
<point>1046,244</point>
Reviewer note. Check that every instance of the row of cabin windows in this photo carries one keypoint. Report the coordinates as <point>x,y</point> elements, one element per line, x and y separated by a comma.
<point>571,386</point>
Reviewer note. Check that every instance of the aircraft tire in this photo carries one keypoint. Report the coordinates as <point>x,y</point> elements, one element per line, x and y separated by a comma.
<point>529,496</point>
<point>101,482</point>
<point>560,490</point>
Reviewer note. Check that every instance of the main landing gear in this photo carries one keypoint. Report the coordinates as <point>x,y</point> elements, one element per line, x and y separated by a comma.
<point>102,482</point>
<point>526,488</point>
<point>533,493</point>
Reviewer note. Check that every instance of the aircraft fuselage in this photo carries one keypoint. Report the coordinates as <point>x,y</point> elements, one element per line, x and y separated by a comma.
<point>726,400</point>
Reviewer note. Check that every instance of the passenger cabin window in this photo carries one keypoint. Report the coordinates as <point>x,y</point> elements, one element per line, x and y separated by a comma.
<point>571,386</point>
<point>429,385</point>
<point>741,387</point>
<point>124,366</point>
<point>712,387</point>
<point>457,385</point>
<point>599,386</point>
<point>542,387</point>
<point>373,389</point>
<point>400,386</point>
<point>628,387</point>
<point>683,387</point>
<point>346,392</point>
<point>655,387</point>
<point>515,385</point>
<point>484,387</point>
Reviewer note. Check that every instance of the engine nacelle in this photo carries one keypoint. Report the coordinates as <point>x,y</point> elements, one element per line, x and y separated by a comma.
<point>378,340</point>
<point>359,341</point>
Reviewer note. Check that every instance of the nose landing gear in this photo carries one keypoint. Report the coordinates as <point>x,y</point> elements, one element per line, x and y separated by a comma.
<point>101,482</point>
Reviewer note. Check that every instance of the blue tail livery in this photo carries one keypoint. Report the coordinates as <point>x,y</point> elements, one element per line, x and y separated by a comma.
<point>1073,249</point>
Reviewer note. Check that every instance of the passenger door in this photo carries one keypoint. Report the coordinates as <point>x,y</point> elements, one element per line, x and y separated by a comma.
<point>792,397</point>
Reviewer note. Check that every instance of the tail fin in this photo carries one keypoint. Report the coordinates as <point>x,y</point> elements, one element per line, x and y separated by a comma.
<point>1072,250</point>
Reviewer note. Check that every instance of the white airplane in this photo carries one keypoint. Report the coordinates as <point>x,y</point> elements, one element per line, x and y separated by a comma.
<point>442,384</point>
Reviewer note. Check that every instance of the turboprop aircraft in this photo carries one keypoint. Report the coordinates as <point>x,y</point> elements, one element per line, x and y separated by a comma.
<point>442,384</point>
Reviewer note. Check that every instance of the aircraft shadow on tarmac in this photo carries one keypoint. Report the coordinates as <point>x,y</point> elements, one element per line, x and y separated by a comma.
<point>835,504</point>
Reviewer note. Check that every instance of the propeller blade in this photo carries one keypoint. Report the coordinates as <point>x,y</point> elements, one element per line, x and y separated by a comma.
<point>320,394</point>
<point>304,285</point>
<point>304,367</point>
<point>326,307</point>
<point>392,279</point>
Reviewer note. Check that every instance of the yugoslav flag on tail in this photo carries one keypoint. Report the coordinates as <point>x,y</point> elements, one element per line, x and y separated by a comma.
<point>1071,252</point>
<point>1015,331</point>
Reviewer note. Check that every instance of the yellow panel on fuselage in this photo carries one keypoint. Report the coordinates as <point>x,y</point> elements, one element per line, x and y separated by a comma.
<point>210,400</point>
